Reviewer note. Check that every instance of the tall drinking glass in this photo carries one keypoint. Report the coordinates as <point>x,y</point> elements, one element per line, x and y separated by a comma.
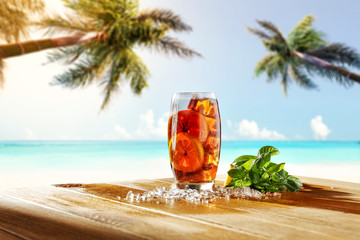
<point>194,139</point>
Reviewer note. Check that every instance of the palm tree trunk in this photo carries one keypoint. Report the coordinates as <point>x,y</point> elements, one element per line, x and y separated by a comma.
<point>324,64</point>
<point>17,49</point>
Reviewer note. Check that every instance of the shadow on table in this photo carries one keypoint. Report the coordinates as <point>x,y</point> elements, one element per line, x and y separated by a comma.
<point>313,196</point>
<point>321,197</point>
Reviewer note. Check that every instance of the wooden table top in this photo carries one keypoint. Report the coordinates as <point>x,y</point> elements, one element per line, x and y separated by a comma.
<point>323,209</point>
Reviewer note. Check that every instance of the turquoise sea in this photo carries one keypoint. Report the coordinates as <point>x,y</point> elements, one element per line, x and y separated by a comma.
<point>121,155</point>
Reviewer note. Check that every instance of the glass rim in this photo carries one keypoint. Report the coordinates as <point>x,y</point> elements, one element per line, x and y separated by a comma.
<point>191,94</point>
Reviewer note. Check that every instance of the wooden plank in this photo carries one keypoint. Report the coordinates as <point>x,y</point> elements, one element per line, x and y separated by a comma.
<point>313,219</point>
<point>148,223</point>
<point>5,234</point>
<point>26,220</point>
<point>323,210</point>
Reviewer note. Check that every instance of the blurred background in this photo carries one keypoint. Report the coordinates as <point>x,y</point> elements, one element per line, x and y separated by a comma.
<point>253,112</point>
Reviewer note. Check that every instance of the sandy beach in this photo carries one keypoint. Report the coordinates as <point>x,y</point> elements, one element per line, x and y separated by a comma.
<point>342,172</point>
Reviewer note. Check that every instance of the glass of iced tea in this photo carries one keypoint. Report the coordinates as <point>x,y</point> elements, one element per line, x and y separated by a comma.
<point>194,139</point>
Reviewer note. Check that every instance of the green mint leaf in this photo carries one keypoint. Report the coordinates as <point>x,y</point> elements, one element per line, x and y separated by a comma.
<point>270,165</point>
<point>264,177</point>
<point>276,168</point>
<point>262,161</point>
<point>273,189</point>
<point>268,149</point>
<point>255,177</point>
<point>292,186</point>
<point>281,174</point>
<point>280,185</point>
<point>258,172</point>
<point>296,180</point>
<point>275,178</point>
<point>235,173</point>
<point>247,165</point>
<point>243,183</point>
<point>242,159</point>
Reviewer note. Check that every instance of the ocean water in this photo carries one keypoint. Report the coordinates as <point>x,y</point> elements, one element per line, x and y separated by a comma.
<point>15,155</point>
<point>135,159</point>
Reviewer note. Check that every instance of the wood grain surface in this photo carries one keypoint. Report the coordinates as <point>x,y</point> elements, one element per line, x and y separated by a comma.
<point>323,209</point>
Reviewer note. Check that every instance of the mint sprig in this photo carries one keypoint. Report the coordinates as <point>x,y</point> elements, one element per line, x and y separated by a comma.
<point>258,172</point>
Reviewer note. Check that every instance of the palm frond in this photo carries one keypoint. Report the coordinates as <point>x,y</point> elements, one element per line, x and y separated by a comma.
<point>300,77</point>
<point>104,12</point>
<point>261,34</point>
<point>82,74</point>
<point>111,84</point>
<point>275,46</point>
<point>36,5</point>
<point>67,55</point>
<point>307,41</point>
<point>263,63</point>
<point>15,17</point>
<point>274,68</point>
<point>270,27</point>
<point>328,73</point>
<point>166,17</point>
<point>304,37</point>
<point>85,70</point>
<point>67,24</point>
<point>127,65</point>
<point>285,79</point>
<point>169,45</point>
<point>338,53</point>
<point>302,26</point>
<point>112,60</point>
<point>136,71</point>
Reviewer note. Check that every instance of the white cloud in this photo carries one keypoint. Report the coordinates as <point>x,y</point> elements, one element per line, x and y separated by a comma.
<point>251,130</point>
<point>148,129</point>
<point>320,130</point>
<point>121,132</point>
<point>30,134</point>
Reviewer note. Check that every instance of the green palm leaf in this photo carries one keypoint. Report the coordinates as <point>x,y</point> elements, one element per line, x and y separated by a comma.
<point>262,65</point>
<point>338,53</point>
<point>300,77</point>
<point>270,27</point>
<point>110,59</point>
<point>169,45</point>
<point>261,34</point>
<point>165,17</point>
<point>15,17</point>
<point>285,79</point>
<point>66,55</point>
<point>68,24</point>
<point>304,53</point>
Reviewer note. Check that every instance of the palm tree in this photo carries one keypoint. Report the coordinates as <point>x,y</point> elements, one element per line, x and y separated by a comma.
<point>100,41</point>
<point>15,18</point>
<point>303,54</point>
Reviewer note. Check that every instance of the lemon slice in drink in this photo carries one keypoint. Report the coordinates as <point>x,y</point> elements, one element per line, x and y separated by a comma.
<point>228,178</point>
<point>188,154</point>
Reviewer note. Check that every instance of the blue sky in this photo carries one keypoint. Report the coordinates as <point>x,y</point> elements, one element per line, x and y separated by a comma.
<point>250,108</point>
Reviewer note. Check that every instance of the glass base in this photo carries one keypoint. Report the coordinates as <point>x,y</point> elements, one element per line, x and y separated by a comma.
<point>197,186</point>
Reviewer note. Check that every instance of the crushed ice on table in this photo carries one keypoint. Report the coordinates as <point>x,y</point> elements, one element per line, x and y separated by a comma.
<point>191,195</point>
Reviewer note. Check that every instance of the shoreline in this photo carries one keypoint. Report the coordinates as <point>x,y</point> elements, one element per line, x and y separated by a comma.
<point>14,179</point>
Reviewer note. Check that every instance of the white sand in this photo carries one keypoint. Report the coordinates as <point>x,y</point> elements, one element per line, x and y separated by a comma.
<point>343,172</point>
